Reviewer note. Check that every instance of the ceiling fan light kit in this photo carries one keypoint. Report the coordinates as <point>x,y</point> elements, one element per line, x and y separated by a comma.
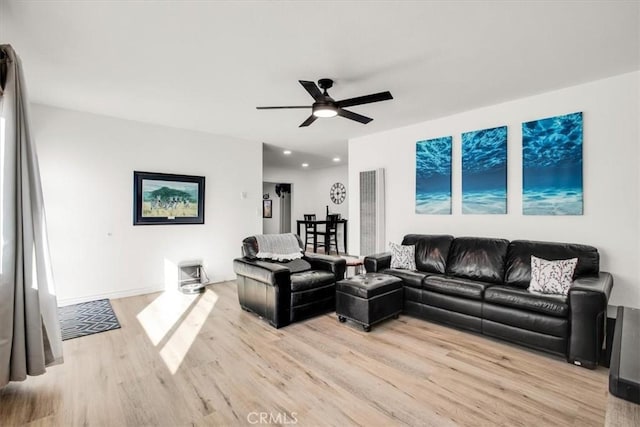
<point>324,110</point>
<point>325,106</point>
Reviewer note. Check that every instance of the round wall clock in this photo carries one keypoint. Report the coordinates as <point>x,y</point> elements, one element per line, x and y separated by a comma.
<point>338,193</point>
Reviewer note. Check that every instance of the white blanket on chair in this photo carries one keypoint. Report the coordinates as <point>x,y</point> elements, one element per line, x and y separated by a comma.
<point>280,247</point>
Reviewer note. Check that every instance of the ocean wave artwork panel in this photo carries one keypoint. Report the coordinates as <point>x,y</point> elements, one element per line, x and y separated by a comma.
<point>484,171</point>
<point>433,176</point>
<point>552,166</point>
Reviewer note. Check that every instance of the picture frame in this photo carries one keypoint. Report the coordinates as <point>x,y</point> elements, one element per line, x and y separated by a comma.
<point>162,198</point>
<point>267,211</point>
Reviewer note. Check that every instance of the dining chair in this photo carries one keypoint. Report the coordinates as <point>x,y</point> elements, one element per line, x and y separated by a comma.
<point>309,231</point>
<point>330,234</point>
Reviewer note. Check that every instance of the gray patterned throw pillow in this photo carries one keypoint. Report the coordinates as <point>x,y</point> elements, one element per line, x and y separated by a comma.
<point>403,257</point>
<point>552,277</point>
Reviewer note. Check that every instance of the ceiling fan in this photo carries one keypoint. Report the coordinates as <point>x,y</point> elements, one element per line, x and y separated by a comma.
<point>325,106</point>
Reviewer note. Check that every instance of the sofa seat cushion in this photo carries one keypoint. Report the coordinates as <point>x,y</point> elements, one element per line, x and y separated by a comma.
<point>455,286</point>
<point>525,319</point>
<point>413,279</point>
<point>294,266</point>
<point>552,305</point>
<point>453,303</point>
<point>313,296</point>
<point>311,279</point>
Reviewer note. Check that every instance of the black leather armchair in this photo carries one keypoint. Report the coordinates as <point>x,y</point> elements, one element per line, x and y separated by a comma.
<point>286,292</point>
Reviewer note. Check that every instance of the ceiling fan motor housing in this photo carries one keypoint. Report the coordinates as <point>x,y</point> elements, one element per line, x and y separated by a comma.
<point>325,84</point>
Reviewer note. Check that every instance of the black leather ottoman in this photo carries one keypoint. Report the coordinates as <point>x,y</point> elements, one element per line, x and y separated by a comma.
<point>368,298</point>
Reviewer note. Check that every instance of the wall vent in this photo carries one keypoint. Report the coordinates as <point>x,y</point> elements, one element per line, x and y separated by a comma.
<point>372,230</point>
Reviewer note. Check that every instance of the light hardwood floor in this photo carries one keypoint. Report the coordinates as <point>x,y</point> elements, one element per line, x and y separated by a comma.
<point>181,360</point>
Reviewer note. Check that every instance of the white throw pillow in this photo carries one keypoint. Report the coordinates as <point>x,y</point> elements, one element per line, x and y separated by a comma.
<point>552,277</point>
<point>403,257</point>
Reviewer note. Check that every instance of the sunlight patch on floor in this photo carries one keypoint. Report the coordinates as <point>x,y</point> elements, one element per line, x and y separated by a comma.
<point>176,348</point>
<point>159,317</point>
<point>173,321</point>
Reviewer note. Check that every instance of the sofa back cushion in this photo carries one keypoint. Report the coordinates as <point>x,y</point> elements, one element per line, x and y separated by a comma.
<point>518,265</point>
<point>431,251</point>
<point>478,258</point>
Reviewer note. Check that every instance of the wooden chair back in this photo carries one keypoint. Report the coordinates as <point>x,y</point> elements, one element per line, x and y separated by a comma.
<point>333,221</point>
<point>309,217</point>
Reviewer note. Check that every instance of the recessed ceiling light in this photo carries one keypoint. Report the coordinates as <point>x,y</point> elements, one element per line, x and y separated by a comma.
<point>286,152</point>
<point>305,165</point>
<point>336,159</point>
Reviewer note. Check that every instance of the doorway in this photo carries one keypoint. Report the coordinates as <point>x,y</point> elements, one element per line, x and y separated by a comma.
<point>280,196</point>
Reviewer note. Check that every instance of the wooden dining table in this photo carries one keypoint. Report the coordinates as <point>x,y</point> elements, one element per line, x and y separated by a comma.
<point>316,223</point>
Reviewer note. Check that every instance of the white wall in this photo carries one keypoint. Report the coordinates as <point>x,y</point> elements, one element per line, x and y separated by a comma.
<point>87,163</point>
<point>610,157</point>
<point>271,225</point>
<point>310,192</point>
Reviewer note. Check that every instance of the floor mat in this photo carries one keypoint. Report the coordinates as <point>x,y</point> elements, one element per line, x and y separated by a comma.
<point>79,320</point>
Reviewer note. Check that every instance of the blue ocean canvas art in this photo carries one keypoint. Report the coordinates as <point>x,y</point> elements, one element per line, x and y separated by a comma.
<point>433,176</point>
<point>552,166</point>
<point>484,171</point>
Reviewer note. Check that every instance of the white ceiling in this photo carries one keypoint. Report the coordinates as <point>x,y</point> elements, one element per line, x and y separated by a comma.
<point>206,65</point>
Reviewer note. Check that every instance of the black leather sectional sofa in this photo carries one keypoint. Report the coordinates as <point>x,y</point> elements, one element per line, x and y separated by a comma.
<point>481,284</point>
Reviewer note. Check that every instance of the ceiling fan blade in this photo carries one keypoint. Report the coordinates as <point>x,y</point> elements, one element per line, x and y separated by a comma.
<point>313,90</point>
<point>354,116</point>
<point>309,120</point>
<point>278,108</point>
<point>367,99</point>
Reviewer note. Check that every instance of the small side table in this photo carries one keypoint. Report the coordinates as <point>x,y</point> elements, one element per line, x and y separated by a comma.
<point>623,404</point>
<point>356,262</point>
<point>624,370</point>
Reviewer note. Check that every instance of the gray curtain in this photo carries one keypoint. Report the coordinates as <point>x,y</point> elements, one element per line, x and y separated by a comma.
<point>29,330</point>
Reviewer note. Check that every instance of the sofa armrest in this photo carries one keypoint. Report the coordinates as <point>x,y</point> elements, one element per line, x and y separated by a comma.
<point>601,284</point>
<point>261,271</point>
<point>336,265</point>
<point>377,262</point>
<point>265,289</point>
<point>588,298</point>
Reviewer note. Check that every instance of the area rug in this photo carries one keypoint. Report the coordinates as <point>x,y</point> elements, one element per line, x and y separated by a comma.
<point>79,320</point>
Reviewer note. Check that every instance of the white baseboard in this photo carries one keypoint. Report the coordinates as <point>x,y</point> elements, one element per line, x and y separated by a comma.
<point>122,294</point>
<point>109,295</point>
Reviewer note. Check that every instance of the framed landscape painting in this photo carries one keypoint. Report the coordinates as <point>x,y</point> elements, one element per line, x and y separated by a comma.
<point>160,198</point>
<point>552,166</point>
<point>433,176</point>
